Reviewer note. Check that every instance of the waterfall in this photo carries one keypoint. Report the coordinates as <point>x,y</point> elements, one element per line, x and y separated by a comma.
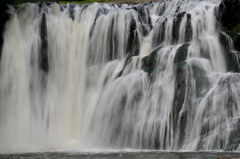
<point>159,75</point>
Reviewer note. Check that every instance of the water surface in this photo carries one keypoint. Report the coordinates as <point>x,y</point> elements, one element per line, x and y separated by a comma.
<point>124,155</point>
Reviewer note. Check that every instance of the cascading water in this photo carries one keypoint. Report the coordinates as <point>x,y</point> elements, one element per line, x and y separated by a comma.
<point>147,76</point>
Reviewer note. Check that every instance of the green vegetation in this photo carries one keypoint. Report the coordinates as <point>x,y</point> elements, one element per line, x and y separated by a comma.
<point>236,28</point>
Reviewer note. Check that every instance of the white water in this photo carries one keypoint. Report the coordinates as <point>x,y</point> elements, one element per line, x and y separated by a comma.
<point>96,91</point>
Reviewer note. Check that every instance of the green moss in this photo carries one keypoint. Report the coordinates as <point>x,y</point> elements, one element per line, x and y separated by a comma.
<point>236,28</point>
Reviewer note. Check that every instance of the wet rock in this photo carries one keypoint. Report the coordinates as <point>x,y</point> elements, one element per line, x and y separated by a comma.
<point>101,11</point>
<point>181,54</point>
<point>111,42</point>
<point>176,25</point>
<point>161,24</point>
<point>191,79</point>
<point>199,75</point>
<point>159,31</point>
<point>133,42</point>
<point>160,10</point>
<point>143,14</point>
<point>188,34</point>
<point>71,11</point>
<point>179,5</point>
<point>143,18</point>
<point>149,62</point>
<point>146,29</point>
<point>180,85</point>
<point>180,90</point>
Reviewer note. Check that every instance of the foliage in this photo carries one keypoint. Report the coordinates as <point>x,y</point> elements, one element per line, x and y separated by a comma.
<point>236,28</point>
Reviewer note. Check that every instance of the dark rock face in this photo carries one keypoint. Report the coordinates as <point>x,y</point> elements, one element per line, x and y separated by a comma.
<point>144,18</point>
<point>161,26</point>
<point>181,54</point>
<point>149,62</point>
<point>71,11</point>
<point>186,71</point>
<point>143,14</point>
<point>159,30</point>
<point>180,85</point>
<point>231,13</point>
<point>4,16</point>
<point>133,42</point>
<point>176,25</point>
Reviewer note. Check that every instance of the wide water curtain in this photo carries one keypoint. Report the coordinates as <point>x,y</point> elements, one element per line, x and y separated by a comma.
<point>159,75</point>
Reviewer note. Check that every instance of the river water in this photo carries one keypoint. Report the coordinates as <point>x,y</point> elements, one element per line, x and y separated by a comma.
<point>125,155</point>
